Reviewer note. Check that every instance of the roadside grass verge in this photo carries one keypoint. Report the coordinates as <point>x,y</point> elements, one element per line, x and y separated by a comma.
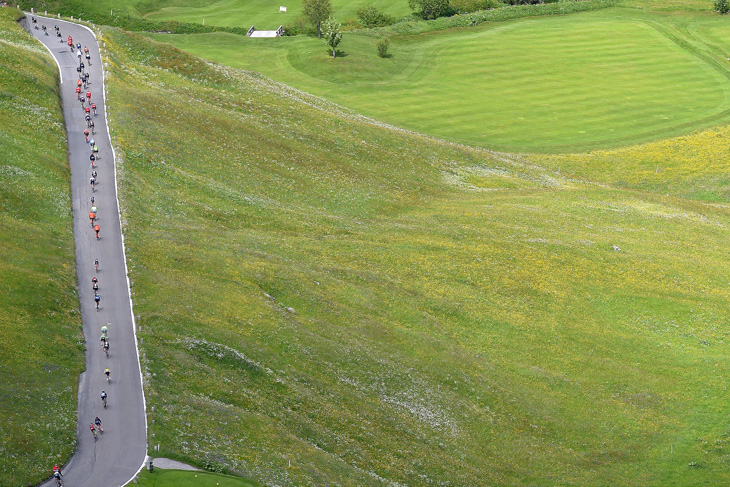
<point>181,478</point>
<point>323,299</point>
<point>602,79</point>
<point>40,333</point>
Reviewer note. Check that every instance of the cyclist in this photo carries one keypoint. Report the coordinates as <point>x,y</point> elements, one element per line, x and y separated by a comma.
<point>97,422</point>
<point>88,96</point>
<point>92,142</point>
<point>93,108</point>
<point>91,125</point>
<point>97,298</point>
<point>45,31</point>
<point>92,158</point>
<point>93,430</point>
<point>87,110</point>
<point>92,181</point>
<point>86,134</point>
<point>92,217</point>
<point>103,398</point>
<point>88,122</point>
<point>105,328</point>
<point>96,151</point>
<point>103,338</point>
<point>106,348</point>
<point>86,49</point>
<point>88,58</point>
<point>57,475</point>
<point>108,374</point>
<point>96,261</point>
<point>95,286</point>
<point>70,43</point>
<point>81,65</point>
<point>78,92</point>
<point>78,55</point>
<point>93,173</point>
<point>93,208</point>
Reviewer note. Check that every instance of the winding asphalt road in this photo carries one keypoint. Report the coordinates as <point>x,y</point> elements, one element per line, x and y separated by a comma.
<point>116,457</point>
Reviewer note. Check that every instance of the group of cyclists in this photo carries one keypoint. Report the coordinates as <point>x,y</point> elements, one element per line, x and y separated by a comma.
<point>89,111</point>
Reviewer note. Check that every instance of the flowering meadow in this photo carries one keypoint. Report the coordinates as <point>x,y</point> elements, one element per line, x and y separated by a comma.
<point>324,299</point>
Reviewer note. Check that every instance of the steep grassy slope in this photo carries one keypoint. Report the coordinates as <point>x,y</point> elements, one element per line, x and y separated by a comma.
<point>40,342</point>
<point>326,300</point>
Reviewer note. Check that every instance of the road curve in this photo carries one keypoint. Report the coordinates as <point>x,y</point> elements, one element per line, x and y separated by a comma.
<point>120,452</point>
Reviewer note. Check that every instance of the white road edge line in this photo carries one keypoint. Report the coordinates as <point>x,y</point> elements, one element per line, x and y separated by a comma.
<point>124,252</point>
<point>121,231</point>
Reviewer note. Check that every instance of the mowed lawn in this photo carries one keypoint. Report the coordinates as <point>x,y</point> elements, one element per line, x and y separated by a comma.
<point>324,300</point>
<point>262,13</point>
<point>559,84</point>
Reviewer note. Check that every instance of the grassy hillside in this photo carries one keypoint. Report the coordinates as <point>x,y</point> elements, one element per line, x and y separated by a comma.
<point>40,333</point>
<point>325,300</point>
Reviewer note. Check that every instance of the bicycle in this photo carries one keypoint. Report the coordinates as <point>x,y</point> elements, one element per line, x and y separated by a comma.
<point>106,348</point>
<point>108,376</point>
<point>96,261</point>
<point>97,299</point>
<point>93,431</point>
<point>103,398</point>
<point>97,422</point>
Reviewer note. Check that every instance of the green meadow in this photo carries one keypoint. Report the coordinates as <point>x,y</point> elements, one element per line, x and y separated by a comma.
<point>180,478</point>
<point>261,13</point>
<point>41,346</point>
<point>324,299</point>
<point>570,83</point>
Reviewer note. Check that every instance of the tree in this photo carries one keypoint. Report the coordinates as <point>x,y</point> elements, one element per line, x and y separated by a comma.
<point>429,9</point>
<point>722,6</point>
<point>332,34</point>
<point>316,11</point>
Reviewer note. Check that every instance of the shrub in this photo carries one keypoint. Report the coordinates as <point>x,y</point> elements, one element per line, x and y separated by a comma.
<point>370,16</point>
<point>722,6</point>
<point>383,45</point>
<point>300,26</point>
<point>429,9</point>
<point>469,6</point>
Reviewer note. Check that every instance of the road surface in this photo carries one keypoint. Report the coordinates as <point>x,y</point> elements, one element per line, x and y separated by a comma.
<point>118,454</point>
